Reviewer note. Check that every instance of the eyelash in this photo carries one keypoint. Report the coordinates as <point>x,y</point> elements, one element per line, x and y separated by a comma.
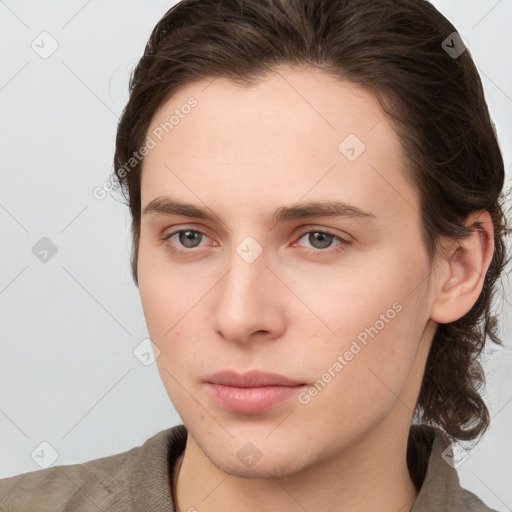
<point>328,250</point>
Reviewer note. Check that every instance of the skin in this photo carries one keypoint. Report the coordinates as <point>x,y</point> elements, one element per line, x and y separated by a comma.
<point>243,153</point>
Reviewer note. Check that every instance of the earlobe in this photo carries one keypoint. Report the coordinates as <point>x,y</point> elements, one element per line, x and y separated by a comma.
<point>464,267</point>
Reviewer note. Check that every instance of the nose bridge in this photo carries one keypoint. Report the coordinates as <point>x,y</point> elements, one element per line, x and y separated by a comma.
<point>244,302</point>
<point>247,265</point>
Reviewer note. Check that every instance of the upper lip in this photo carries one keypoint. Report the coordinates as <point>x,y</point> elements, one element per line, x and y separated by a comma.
<point>251,379</point>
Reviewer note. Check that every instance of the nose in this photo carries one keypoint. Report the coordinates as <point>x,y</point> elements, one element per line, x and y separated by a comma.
<point>248,302</point>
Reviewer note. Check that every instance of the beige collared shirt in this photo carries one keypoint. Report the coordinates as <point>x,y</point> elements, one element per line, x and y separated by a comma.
<point>138,480</point>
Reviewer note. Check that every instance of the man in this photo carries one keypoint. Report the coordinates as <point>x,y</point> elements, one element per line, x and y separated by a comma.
<point>315,198</point>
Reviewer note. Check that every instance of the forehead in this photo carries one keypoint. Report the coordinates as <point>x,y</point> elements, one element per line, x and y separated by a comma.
<point>291,133</point>
<point>313,109</point>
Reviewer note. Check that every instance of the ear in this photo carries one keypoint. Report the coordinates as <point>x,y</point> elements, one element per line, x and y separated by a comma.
<point>461,269</point>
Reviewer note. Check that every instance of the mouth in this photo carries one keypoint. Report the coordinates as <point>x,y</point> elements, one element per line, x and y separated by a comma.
<point>252,392</point>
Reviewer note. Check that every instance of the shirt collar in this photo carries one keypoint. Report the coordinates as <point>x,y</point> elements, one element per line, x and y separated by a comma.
<point>150,483</point>
<point>431,466</point>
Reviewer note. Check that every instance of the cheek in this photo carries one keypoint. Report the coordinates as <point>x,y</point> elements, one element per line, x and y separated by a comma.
<point>171,302</point>
<point>167,294</point>
<point>376,321</point>
<point>354,302</point>
<point>356,384</point>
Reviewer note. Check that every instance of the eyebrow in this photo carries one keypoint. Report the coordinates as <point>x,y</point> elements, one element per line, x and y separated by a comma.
<point>324,208</point>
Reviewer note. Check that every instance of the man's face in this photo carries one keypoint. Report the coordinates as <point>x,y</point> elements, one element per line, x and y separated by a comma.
<point>337,304</point>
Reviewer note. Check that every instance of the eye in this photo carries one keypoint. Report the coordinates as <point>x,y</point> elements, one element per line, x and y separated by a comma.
<point>187,238</point>
<point>321,240</point>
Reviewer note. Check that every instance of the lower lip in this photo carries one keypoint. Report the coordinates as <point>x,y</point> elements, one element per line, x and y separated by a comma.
<point>250,400</point>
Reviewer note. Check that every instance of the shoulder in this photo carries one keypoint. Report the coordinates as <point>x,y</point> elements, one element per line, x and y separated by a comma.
<point>99,480</point>
<point>472,503</point>
<point>108,483</point>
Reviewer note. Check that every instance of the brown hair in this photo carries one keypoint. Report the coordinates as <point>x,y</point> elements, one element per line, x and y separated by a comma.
<point>394,49</point>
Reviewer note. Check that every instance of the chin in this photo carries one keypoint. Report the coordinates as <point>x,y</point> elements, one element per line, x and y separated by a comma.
<point>263,469</point>
<point>245,460</point>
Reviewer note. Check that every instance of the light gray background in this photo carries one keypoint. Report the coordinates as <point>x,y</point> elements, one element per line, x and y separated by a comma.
<point>68,375</point>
